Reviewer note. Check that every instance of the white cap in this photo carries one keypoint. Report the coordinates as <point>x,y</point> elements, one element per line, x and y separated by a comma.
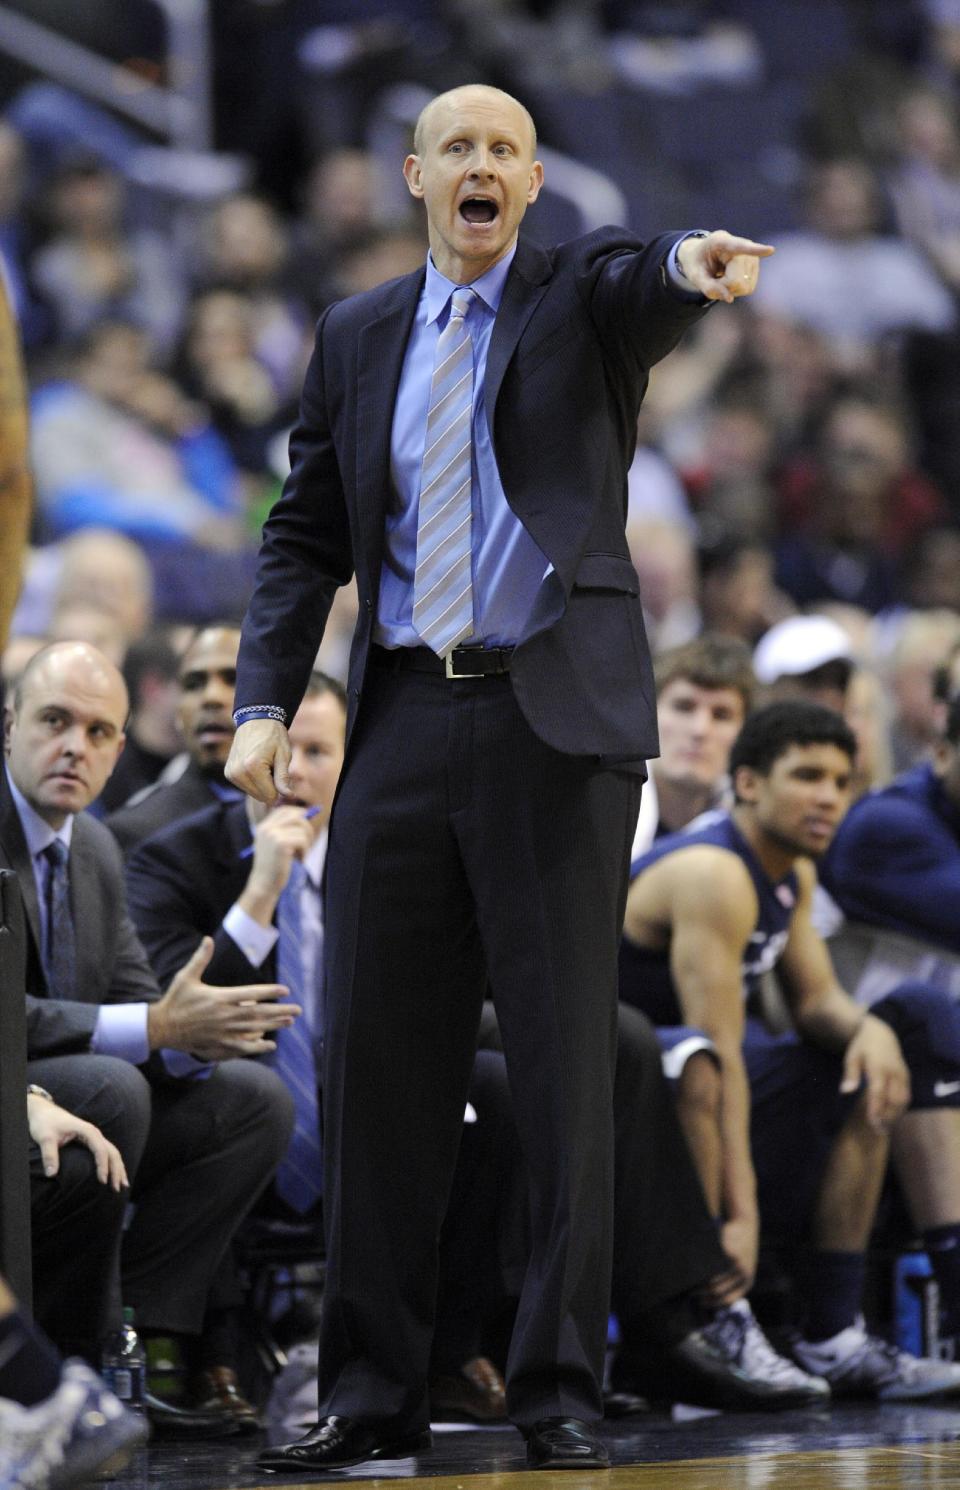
<point>798,645</point>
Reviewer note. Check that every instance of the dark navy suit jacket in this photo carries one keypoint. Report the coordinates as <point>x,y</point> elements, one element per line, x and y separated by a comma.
<point>577,331</point>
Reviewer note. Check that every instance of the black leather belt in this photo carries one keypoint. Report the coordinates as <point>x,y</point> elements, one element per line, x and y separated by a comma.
<point>462,662</point>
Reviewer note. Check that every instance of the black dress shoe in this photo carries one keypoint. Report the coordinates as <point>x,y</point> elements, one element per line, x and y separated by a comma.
<point>338,1442</point>
<point>564,1443</point>
<point>699,1371</point>
<point>170,1421</point>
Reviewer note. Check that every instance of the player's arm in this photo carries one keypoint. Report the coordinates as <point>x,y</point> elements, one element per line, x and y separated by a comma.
<point>825,1014</point>
<point>714,913</point>
<point>16,487</point>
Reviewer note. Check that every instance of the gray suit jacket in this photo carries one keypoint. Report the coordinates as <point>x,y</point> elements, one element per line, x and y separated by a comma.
<point>112,965</point>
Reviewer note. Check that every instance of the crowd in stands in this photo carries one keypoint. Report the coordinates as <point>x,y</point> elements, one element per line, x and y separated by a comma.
<point>794,517</point>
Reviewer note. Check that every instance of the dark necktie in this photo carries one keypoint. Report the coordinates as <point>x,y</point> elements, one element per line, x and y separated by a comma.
<point>300,1175</point>
<point>60,945</point>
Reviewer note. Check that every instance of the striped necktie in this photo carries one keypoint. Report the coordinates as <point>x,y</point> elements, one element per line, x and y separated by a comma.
<point>60,941</point>
<point>442,587</point>
<point>300,1175</point>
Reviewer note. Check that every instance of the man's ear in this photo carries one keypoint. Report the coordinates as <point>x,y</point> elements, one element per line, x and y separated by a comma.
<point>536,181</point>
<point>746,783</point>
<point>412,174</point>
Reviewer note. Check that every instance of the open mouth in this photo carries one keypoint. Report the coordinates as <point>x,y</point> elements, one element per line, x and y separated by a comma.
<point>478,210</point>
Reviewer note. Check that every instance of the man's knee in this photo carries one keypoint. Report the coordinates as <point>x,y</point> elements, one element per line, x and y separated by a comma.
<point>253,1100</point>
<point>106,1091</point>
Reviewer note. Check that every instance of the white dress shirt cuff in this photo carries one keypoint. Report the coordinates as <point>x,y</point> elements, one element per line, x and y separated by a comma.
<point>121,1030</point>
<point>677,279</point>
<point>256,942</point>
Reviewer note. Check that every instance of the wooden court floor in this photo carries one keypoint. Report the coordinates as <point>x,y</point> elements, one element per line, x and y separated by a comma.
<point>886,1447</point>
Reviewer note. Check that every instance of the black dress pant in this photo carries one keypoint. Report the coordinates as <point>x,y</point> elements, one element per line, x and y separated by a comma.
<point>464,853</point>
<point>198,1153</point>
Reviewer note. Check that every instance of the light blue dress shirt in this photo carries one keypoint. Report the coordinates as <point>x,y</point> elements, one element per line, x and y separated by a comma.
<point>121,1029</point>
<point>508,567</point>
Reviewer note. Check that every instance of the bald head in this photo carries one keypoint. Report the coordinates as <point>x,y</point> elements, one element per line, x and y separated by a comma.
<point>435,113</point>
<point>64,733</point>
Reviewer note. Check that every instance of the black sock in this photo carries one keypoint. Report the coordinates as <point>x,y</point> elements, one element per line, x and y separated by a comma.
<point>29,1364</point>
<point>942,1246</point>
<point>834,1292</point>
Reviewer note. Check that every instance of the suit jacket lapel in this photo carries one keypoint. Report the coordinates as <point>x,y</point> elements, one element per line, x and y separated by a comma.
<point>525,287</point>
<point>16,856</point>
<point>380,352</point>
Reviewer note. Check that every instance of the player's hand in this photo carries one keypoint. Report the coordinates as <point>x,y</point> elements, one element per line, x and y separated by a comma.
<point>52,1127</point>
<point>217,1024</point>
<point>259,759</point>
<point>874,1059</point>
<point>722,266</point>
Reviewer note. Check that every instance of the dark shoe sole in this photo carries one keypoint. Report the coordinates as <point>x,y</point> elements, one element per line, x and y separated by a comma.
<point>571,1461</point>
<point>400,1448</point>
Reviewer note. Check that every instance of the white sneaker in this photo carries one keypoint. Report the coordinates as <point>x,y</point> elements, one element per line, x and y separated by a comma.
<point>80,1430</point>
<point>735,1333</point>
<point>857,1364</point>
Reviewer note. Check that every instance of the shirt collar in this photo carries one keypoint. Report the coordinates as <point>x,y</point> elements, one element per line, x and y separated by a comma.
<point>36,830</point>
<point>314,861</point>
<point>489,286</point>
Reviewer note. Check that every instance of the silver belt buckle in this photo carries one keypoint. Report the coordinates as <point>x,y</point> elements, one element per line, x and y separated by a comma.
<point>448,667</point>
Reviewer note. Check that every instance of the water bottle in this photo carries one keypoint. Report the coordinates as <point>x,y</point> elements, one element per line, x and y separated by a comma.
<point>124,1364</point>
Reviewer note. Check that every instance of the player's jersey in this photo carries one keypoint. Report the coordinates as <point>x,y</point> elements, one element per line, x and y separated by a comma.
<point>645,978</point>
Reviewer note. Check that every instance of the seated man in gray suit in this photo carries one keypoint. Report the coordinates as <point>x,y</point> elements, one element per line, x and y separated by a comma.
<point>200,1131</point>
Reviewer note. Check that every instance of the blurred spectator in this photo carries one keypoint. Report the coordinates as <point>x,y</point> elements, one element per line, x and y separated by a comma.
<point>843,278</point>
<point>245,248</point>
<point>805,657</point>
<point>150,670</point>
<point>868,715</point>
<point>732,481</point>
<point>118,444</point>
<point>852,507</point>
<point>219,365</point>
<point>106,570</point>
<point>342,200</point>
<point>381,254</point>
<point>925,639</point>
<point>93,266</point>
<point>88,623</point>
<point>663,556</point>
<point>16,655</point>
<point>925,182</point>
<point>931,571</point>
<point>738,596</point>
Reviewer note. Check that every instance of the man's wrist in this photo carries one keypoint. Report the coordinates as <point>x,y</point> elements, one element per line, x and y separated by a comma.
<point>259,711</point>
<point>39,1091</point>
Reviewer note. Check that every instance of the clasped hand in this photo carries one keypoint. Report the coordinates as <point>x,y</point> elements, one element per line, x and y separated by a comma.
<point>217,1024</point>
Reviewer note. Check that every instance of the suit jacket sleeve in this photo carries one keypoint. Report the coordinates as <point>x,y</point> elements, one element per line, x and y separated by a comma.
<point>177,896</point>
<point>304,558</point>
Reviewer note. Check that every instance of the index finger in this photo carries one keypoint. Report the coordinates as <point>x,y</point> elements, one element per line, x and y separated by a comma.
<point>735,245</point>
<point>250,993</point>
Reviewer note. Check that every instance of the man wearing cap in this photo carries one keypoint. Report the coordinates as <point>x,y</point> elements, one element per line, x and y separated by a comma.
<point>805,657</point>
